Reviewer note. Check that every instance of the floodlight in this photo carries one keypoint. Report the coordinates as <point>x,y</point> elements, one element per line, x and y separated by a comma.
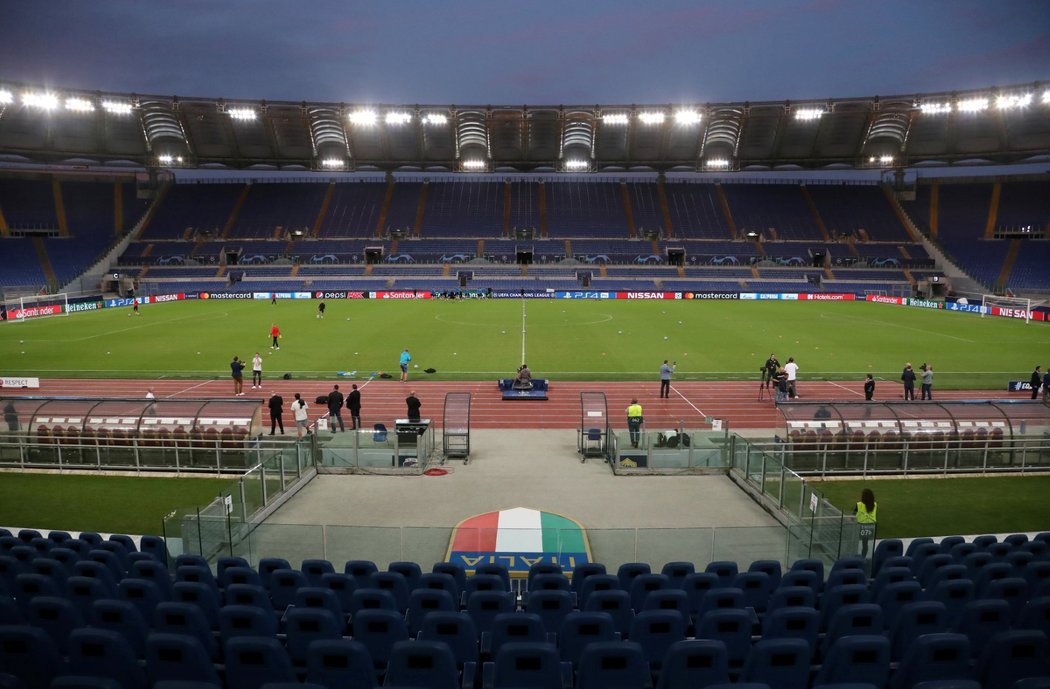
<point>577,164</point>
<point>651,117</point>
<point>809,114</point>
<point>886,159</point>
<point>435,118</point>
<point>1046,97</point>
<point>333,163</point>
<point>44,101</point>
<point>972,105</point>
<point>363,118</point>
<point>79,105</point>
<point>474,164</point>
<point>6,97</point>
<point>166,159</point>
<point>241,114</point>
<point>717,163</point>
<point>935,108</point>
<point>115,107</point>
<point>398,117</point>
<point>1015,101</point>
<point>617,118</point>
<point>687,117</point>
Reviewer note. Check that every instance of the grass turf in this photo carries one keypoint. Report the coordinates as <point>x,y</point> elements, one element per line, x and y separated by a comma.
<point>114,504</point>
<point>945,507</point>
<point>564,340</point>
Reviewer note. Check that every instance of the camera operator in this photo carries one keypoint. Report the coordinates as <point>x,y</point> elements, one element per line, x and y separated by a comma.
<point>769,370</point>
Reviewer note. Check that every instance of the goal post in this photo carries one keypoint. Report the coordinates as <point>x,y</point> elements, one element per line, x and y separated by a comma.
<point>995,305</point>
<point>37,306</point>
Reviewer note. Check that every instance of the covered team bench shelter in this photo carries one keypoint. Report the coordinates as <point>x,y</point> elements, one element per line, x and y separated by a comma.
<point>538,391</point>
<point>915,437</point>
<point>207,435</point>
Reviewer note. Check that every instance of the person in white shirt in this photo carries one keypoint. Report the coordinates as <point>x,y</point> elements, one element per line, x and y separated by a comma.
<point>791,368</point>
<point>149,394</point>
<point>256,371</point>
<point>299,410</point>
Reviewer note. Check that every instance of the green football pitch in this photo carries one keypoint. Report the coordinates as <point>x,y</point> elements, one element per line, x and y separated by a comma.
<point>563,340</point>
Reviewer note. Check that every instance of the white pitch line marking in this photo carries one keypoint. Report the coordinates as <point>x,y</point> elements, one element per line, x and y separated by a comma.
<point>843,387</point>
<point>686,400</point>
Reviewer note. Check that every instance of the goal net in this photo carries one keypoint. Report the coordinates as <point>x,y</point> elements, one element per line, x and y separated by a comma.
<point>39,306</point>
<point>1014,307</point>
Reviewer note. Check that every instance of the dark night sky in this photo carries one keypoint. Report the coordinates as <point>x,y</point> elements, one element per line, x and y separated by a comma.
<point>531,52</point>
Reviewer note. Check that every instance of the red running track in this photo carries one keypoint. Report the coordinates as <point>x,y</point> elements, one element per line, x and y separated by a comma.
<point>384,400</point>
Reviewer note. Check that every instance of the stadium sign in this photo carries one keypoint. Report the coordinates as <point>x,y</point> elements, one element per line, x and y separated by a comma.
<point>500,294</point>
<point>970,308</point>
<point>827,297</point>
<point>226,295</point>
<point>924,303</point>
<point>162,298</point>
<point>648,295</point>
<point>14,382</point>
<point>37,311</point>
<point>1019,386</point>
<point>1007,312</point>
<point>404,294</point>
<point>84,306</point>
<point>582,295</point>
<point>518,538</point>
<point>711,295</point>
<point>880,299</point>
<point>113,303</point>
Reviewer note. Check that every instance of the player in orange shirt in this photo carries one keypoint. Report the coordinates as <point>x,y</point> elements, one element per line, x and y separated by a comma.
<point>275,333</point>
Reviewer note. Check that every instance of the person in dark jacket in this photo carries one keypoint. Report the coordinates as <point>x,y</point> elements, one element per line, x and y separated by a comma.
<point>353,403</point>
<point>413,406</point>
<point>908,377</point>
<point>335,409</point>
<point>276,406</point>
<point>869,387</point>
<point>1035,382</point>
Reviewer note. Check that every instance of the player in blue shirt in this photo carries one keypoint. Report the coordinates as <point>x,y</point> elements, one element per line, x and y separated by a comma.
<point>405,358</point>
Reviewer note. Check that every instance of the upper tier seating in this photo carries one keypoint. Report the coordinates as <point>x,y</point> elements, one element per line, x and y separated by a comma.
<point>696,211</point>
<point>464,209</point>
<point>848,208</point>
<point>585,209</point>
<point>204,208</point>
<point>21,266</point>
<point>757,208</point>
<point>288,205</point>
<point>28,203</point>
<point>354,210</point>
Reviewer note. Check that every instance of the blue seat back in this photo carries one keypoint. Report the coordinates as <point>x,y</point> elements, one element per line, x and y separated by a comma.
<point>422,664</point>
<point>306,625</point>
<point>694,663</point>
<point>606,664</point>
<point>29,654</point>
<point>124,619</point>
<point>178,657</point>
<point>484,606</point>
<point>780,663</point>
<point>254,661</point>
<point>102,653</point>
<point>379,630</point>
<point>189,620</point>
<point>858,658</point>
<point>341,663</point>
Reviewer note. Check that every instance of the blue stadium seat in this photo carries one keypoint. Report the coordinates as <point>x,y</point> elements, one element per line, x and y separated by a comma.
<point>802,577</point>
<point>284,583</point>
<point>178,658</point>
<point>424,601</point>
<point>836,596</point>
<point>842,577</point>
<point>378,630</point>
<point>1035,615</point>
<point>694,663</point>
<point>186,619</point>
<point>920,553</point>
<point>102,653</point>
<point>914,620</point>
<point>512,628</point>
<point>885,549</point>
<point>1016,539</point>
<point>156,547</point>
<point>582,628</point>
<point>849,562</point>
<point>720,599</point>
<point>485,582</point>
<point>948,542</point>
<point>551,605</point>
<point>27,535</point>
<point>793,623</point>
<point>82,592</point>
<point>895,596</point>
<point>617,604</point>
<point>917,543</point>
<point>110,559</point>
<point>97,570</point>
<point>201,595</point>
<point>780,663</point>
<point>190,560</point>
<point>992,571</point>
<point>677,572</point>
<point>484,606</point>
<point>656,631</point>
<point>322,598</point>
<point>23,553</point>
<point>119,550</point>
<point>725,570</point>
<point>306,625</point>
<point>247,594</point>
<point>394,583</point>
<point>141,593</point>
<point>976,561</point>
<point>339,664</point>
<point>1013,590</point>
<point>253,661</point>
<point>372,599</point>
<point>606,664</point>
<point>757,588</point>
<point>66,556</point>
<point>961,550</point>
<point>791,596</point>
<point>933,657</point>
<point>849,620</point>
<point>440,581</point>
<point>596,582</point>
<point>40,546</point>
<point>269,565</point>
<point>409,570</point>
<point>232,575</point>
<point>954,594</point>
<point>423,664</point>
<point>457,630</point>
<point>154,571</point>
<point>733,628</point>
<point>629,570</point>
<point>856,658</point>
<point>124,619</point>
<point>29,654</point>
<point>56,616</point>
<point>343,586</point>
<point>670,599</point>
<point>454,570</point>
<point>549,581</point>
<point>197,574</point>
<point>314,569</point>
<point>527,665</point>
<point>1012,656</point>
<point>770,567</point>
<point>29,586</point>
<point>236,621</point>
<point>947,573</point>
<point>51,568</point>
<point>495,569</point>
<point>59,537</point>
<point>809,565</point>
<point>226,562</point>
<point>981,620</point>
<point>643,584</point>
<point>9,612</point>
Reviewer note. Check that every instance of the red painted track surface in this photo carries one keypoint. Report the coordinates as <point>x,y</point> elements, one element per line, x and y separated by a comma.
<point>383,400</point>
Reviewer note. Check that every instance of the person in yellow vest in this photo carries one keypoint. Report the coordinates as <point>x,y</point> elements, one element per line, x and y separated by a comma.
<point>866,511</point>
<point>634,421</point>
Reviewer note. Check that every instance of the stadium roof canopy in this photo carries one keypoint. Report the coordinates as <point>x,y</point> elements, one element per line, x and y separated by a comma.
<point>999,125</point>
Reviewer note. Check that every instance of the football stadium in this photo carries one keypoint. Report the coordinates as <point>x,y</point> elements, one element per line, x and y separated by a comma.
<point>319,394</point>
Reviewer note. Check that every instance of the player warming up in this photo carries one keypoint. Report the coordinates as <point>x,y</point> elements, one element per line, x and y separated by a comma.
<point>275,333</point>
<point>405,358</point>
